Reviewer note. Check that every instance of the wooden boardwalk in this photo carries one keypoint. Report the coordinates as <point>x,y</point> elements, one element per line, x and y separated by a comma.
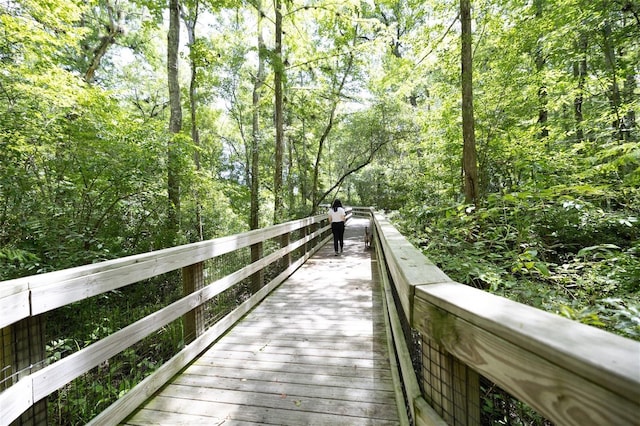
<point>312,353</point>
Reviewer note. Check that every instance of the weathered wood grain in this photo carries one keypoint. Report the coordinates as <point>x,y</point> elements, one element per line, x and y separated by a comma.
<point>570,372</point>
<point>15,400</point>
<point>538,357</point>
<point>168,411</point>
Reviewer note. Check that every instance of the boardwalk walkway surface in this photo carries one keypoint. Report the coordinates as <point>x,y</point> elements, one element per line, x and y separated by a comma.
<point>312,353</point>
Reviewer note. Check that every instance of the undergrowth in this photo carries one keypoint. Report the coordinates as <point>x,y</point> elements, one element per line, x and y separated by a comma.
<point>575,256</point>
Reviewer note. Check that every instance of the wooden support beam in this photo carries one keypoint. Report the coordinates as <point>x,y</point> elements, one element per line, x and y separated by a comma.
<point>284,242</point>
<point>257,279</point>
<point>193,321</point>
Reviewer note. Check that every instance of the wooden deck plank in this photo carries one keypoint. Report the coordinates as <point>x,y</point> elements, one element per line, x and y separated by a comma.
<point>367,378</point>
<point>311,360</point>
<point>312,389</point>
<point>314,352</point>
<point>291,348</point>
<point>304,344</point>
<point>168,410</point>
<point>282,401</point>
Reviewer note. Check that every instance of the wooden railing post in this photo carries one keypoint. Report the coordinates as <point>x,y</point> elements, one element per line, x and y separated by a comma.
<point>257,279</point>
<point>193,321</point>
<point>284,241</point>
<point>24,352</point>
<point>307,245</point>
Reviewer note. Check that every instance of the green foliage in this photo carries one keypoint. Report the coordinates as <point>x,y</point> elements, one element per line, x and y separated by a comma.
<point>16,261</point>
<point>83,174</point>
<point>88,321</point>
<point>500,408</point>
<point>568,256</point>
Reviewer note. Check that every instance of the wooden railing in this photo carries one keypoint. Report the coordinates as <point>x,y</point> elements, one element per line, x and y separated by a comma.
<point>27,378</point>
<point>570,373</point>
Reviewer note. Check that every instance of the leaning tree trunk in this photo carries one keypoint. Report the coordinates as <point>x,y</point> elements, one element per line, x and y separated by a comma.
<point>175,119</point>
<point>316,199</point>
<point>469,155</point>
<point>114,28</point>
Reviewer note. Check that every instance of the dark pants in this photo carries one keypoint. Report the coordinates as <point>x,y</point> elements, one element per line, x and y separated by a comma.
<point>337,228</point>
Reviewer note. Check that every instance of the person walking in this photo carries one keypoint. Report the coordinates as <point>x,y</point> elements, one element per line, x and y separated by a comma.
<point>337,218</point>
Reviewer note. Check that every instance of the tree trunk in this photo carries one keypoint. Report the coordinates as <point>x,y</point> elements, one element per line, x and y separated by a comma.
<point>614,89</point>
<point>290,184</point>
<point>279,120</point>
<point>190,21</point>
<point>543,113</point>
<point>469,155</point>
<point>258,81</point>
<point>254,215</point>
<point>175,119</point>
<point>580,73</point>
<point>114,28</point>
<point>629,90</point>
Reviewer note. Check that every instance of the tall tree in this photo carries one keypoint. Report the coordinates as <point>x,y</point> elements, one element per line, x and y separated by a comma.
<point>190,17</point>
<point>258,81</point>
<point>469,154</point>
<point>278,73</point>
<point>175,119</point>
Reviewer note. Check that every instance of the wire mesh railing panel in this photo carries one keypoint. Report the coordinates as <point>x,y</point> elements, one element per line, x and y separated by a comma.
<point>226,264</point>
<point>225,302</point>
<point>435,369</point>
<point>83,398</point>
<point>7,370</point>
<point>449,386</point>
<point>76,326</point>
<point>501,408</point>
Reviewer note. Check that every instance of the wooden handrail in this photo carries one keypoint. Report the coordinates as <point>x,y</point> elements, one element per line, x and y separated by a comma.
<point>36,294</point>
<point>571,373</point>
<point>26,298</point>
